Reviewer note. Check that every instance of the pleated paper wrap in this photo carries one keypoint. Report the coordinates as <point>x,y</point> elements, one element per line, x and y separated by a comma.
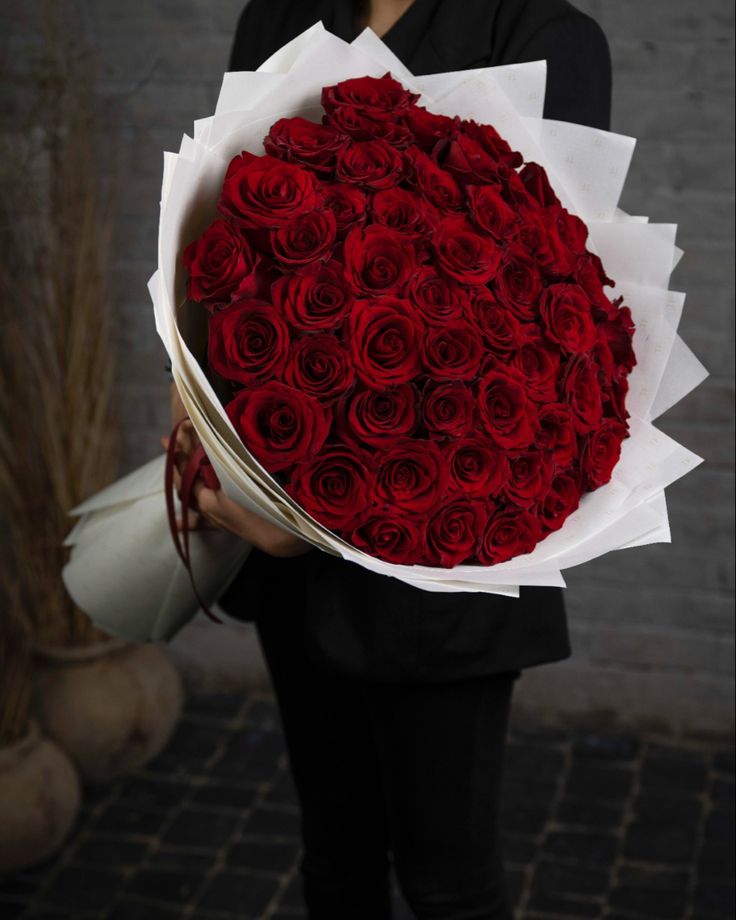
<point>587,168</point>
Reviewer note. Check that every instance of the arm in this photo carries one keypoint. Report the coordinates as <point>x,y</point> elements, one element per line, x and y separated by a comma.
<point>578,69</point>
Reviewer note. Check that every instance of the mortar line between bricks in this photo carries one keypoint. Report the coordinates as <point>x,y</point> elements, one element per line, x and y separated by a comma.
<point>239,721</point>
<point>64,859</point>
<point>706,799</point>
<point>627,818</point>
<point>264,788</point>
<point>521,911</point>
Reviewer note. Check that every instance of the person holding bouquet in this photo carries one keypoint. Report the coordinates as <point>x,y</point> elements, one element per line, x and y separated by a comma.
<point>395,701</point>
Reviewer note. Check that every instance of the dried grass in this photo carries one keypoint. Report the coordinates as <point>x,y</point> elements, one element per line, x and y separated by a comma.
<point>58,437</point>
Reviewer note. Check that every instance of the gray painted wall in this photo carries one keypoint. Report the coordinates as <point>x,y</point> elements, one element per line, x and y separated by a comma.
<point>652,628</point>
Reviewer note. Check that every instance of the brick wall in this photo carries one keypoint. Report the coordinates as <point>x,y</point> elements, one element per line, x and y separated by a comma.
<point>653,647</point>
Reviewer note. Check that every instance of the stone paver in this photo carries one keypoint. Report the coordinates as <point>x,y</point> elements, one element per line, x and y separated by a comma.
<point>595,826</point>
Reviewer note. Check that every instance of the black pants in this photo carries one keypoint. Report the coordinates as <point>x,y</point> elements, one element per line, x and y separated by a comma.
<point>410,769</point>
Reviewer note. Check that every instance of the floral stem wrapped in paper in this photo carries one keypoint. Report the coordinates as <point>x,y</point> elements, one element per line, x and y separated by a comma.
<point>410,324</point>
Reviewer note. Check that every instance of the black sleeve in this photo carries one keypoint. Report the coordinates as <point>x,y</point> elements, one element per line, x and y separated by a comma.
<point>249,49</point>
<point>578,69</point>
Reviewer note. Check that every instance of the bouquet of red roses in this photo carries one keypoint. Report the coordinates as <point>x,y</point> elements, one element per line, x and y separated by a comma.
<point>411,357</point>
<point>419,343</point>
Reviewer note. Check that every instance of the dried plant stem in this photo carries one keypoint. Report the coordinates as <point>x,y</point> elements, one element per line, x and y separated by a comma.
<point>58,436</point>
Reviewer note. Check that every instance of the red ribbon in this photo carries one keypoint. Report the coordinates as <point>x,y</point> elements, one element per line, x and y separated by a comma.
<point>197,465</point>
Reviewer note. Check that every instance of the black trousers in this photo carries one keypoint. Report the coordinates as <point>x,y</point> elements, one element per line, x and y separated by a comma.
<point>390,772</point>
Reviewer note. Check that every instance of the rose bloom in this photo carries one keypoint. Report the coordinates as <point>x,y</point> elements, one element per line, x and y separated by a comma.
<point>370,164</point>
<point>305,142</point>
<point>377,260</point>
<point>454,530</point>
<point>248,342</point>
<point>374,97</point>
<point>477,467</point>
<point>222,266</point>
<point>508,415</point>
<point>601,452</point>
<point>509,533</point>
<point>320,366</point>
<point>266,192</point>
<point>308,238</point>
<point>568,319</point>
<point>383,338</point>
<point>560,501</point>
<point>411,475</point>
<point>448,409</point>
<point>314,299</point>
<point>335,487</point>
<point>279,424</point>
<point>376,416</point>
<point>392,536</point>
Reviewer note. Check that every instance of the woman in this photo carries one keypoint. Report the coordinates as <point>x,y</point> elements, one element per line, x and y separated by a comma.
<point>395,701</point>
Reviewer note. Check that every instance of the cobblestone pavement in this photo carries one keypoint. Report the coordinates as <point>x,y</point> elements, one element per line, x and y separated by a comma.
<point>594,826</point>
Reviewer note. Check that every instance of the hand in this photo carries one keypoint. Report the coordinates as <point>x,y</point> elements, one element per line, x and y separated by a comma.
<point>217,510</point>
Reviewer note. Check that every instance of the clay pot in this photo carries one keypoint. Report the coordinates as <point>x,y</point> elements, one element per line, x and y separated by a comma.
<point>111,706</point>
<point>40,799</point>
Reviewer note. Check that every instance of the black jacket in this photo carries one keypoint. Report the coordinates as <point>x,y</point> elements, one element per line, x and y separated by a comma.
<point>374,626</point>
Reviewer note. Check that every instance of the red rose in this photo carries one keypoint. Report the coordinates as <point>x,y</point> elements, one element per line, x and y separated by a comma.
<point>464,255</point>
<point>348,203</point>
<point>411,476</point>
<point>374,97</point>
<point>567,316</point>
<point>221,265</point>
<point>530,476</point>
<point>349,121</point>
<point>451,351</point>
<point>319,366</point>
<point>370,164</point>
<point>559,503</point>
<point>439,188</point>
<point>437,298</point>
<point>518,284</point>
<point>601,452</point>
<point>499,327</point>
<point>572,230</point>
<point>405,212</point>
<point>536,182</point>
<point>247,342</point>
<point>492,142</point>
<point>618,331</point>
<point>377,260</point>
<point>314,299</point>
<point>508,414</point>
<point>335,487</point>
<point>278,424</point>
<point>583,394</point>
<point>591,277</point>
<point>391,536</point>
<point>539,236</point>
<point>429,128</point>
<point>448,409</point>
<point>477,467</point>
<point>509,533</point>
<point>557,434</point>
<point>305,142</point>
<point>374,416</point>
<point>491,213</point>
<point>453,532</point>
<point>539,363</point>
<point>514,191</point>
<point>265,192</point>
<point>383,337</point>
<point>307,238</point>
<point>467,162</point>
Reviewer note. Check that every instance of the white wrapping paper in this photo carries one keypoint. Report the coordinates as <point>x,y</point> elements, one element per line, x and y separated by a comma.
<point>587,168</point>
